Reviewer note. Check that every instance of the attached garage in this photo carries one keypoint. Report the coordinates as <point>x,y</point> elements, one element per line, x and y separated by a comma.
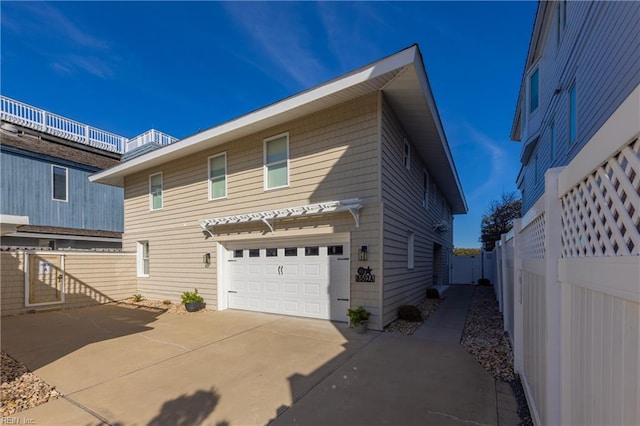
<point>302,278</point>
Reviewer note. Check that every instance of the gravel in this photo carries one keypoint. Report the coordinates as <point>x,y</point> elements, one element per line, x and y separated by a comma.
<point>20,389</point>
<point>157,305</point>
<point>485,339</point>
<point>427,307</point>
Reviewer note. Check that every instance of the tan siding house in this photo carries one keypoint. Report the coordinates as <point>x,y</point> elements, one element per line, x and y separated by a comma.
<point>305,207</point>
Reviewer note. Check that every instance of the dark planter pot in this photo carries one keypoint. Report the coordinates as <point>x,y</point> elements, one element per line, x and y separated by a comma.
<point>194,306</point>
<point>361,328</point>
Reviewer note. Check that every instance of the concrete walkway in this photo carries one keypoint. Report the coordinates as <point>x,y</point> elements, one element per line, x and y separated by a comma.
<point>241,368</point>
<point>424,379</point>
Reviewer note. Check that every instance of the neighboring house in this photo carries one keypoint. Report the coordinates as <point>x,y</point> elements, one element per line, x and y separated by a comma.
<point>339,196</point>
<point>583,62</point>
<point>46,199</point>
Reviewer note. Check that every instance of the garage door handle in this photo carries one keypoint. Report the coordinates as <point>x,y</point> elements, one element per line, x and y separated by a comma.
<point>231,291</point>
<point>343,300</point>
<point>343,258</point>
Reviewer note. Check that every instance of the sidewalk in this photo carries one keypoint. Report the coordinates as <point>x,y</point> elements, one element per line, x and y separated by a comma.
<point>424,379</point>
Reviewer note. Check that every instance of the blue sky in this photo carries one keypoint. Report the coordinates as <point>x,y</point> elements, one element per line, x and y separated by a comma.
<point>126,67</point>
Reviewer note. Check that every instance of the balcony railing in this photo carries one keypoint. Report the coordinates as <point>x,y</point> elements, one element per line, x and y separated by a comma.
<point>35,118</point>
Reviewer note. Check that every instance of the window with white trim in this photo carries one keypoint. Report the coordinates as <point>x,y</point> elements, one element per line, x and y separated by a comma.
<point>534,90</point>
<point>59,183</point>
<point>407,155</point>
<point>276,162</point>
<point>411,250</point>
<point>143,258</point>
<point>425,189</point>
<point>155,191</point>
<point>218,176</point>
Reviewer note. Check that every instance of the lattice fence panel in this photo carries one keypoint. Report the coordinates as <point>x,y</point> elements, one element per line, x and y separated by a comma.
<point>533,239</point>
<point>601,214</point>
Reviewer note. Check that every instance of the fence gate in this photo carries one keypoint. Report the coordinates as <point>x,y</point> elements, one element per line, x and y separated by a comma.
<point>46,279</point>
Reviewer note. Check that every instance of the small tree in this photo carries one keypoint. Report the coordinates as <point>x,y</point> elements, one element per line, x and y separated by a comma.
<point>499,219</point>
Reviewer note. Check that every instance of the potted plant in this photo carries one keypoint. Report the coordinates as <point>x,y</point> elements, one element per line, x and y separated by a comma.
<point>359,318</point>
<point>192,300</point>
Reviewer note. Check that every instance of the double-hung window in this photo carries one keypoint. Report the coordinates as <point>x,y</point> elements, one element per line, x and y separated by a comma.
<point>276,162</point>
<point>218,176</point>
<point>143,258</point>
<point>534,90</point>
<point>407,155</point>
<point>155,191</point>
<point>573,115</point>
<point>59,183</point>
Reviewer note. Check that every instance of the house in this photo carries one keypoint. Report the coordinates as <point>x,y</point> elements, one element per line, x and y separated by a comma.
<point>47,199</point>
<point>341,195</point>
<point>583,62</point>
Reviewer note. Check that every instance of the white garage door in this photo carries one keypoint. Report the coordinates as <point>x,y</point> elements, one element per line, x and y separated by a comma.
<point>292,279</point>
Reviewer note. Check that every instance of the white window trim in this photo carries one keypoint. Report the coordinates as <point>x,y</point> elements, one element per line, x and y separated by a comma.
<point>265,165</point>
<point>406,154</point>
<point>66,184</point>
<point>140,259</point>
<point>425,189</point>
<point>161,192</point>
<point>529,97</point>
<point>411,250</point>
<point>210,195</point>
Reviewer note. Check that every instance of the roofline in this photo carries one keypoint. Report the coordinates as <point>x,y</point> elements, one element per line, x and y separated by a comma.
<point>400,59</point>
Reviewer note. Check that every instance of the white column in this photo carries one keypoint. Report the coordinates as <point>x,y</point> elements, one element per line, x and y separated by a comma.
<point>553,295</point>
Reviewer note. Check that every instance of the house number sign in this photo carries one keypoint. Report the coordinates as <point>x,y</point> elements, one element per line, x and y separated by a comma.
<point>365,275</point>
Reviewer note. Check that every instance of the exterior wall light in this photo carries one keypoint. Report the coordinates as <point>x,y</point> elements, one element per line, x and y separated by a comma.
<point>362,253</point>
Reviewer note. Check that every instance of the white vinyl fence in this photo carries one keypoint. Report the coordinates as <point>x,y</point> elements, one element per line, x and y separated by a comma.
<point>569,283</point>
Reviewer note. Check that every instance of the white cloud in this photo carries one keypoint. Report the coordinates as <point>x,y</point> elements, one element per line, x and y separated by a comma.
<point>281,39</point>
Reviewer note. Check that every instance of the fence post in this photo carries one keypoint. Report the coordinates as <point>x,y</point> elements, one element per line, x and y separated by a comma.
<point>553,295</point>
<point>44,120</point>
<point>518,329</point>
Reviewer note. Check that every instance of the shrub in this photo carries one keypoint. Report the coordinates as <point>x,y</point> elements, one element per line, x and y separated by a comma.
<point>191,297</point>
<point>433,293</point>
<point>484,281</point>
<point>409,313</point>
<point>137,297</point>
<point>358,315</point>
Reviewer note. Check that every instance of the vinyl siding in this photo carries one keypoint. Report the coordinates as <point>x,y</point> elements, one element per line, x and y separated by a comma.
<point>332,155</point>
<point>599,51</point>
<point>403,213</point>
<point>25,185</point>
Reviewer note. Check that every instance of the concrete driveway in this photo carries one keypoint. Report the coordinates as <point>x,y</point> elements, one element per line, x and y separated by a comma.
<point>124,366</point>
<point>131,366</point>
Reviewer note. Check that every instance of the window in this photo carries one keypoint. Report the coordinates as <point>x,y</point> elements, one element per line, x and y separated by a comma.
<point>143,258</point>
<point>276,162</point>
<point>238,253</point>
<point>410,250</point>
<point>335,250</point>
<point>552,148</point>
<point>254,252</point>
<point>534,90</point>
<point>155,191</point>
<point>218,176</point>
<point>407,155</point>
<point>572,115</point>
<point>59,183</point>
<point>425,189</point>
<point>312,251</point>
<point>291,251</point>
<point>272,252</point>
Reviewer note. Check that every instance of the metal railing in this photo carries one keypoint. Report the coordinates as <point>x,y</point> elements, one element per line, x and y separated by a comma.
<point>35,118</point>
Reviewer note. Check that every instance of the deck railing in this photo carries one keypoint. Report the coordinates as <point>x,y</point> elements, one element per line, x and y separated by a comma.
<point>35,118</point>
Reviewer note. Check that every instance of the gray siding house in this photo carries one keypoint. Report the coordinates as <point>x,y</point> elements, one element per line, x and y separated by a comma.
<point>339,196</point>
<point>583,62</point>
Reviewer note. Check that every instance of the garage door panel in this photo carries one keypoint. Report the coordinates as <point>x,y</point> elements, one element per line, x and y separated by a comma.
<point>299,281</point>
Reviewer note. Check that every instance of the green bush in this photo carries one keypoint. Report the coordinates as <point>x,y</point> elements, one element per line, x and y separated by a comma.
<point>409,313</point>
<point>484,281</point>
<point>191,297</point>
<point>433,293</point>
<point>358,316</point>
<point>137,297</point>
